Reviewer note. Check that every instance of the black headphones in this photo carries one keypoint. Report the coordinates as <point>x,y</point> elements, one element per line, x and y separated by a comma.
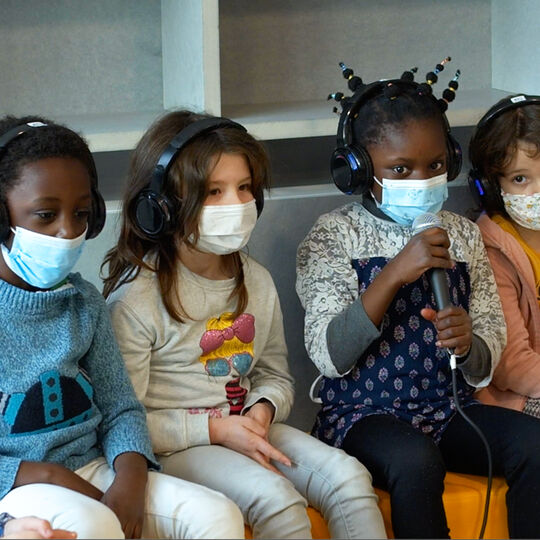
<point>351,166</point>
<point>153,210</point>
<point>96,219</point>
<point>484,193</point>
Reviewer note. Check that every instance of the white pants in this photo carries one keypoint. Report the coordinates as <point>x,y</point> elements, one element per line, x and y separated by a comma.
<point>334,483</point>
<point>174,508</point>
<point>64,508</point>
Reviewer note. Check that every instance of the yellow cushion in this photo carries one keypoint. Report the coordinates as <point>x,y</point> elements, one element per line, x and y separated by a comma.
<point>463,498</point>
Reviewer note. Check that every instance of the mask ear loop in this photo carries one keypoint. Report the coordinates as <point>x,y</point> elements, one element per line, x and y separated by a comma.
<point>312,390</point>
<point>377,203</point>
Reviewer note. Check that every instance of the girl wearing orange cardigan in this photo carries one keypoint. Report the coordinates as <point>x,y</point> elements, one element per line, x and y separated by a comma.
<point>505,180</point>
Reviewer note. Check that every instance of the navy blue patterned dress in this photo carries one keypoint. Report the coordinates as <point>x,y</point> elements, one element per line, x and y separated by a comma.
<point>402,373</point>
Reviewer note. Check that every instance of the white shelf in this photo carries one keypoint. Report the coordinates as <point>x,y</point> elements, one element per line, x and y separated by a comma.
<point>268,65</point>
<point>268,121</point>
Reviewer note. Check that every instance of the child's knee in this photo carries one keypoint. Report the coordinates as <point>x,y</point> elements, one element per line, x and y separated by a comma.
<point>90,519</point>
<point>352,471</point>
<point>222,519</point>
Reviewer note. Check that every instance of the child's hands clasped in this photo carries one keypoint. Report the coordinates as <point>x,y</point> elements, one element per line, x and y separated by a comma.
<point>454,328</point>
<point>248,435</point>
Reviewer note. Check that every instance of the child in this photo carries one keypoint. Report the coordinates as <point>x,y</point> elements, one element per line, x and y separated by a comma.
<point>372,327</point>
<point>74,445</point>
<point>505,179</point>
<point>200,328</point>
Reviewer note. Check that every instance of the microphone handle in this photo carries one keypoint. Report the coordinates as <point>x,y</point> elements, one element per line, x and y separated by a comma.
<point>439,286</point>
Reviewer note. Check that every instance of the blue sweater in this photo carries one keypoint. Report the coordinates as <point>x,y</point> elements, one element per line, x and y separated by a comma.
<point>65,396</point>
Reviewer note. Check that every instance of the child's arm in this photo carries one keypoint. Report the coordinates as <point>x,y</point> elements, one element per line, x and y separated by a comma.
<point>336,327</point>
<point>123,427</point>
<point>484,304</point>
<point>270,378</point>
<point>126,495</point>
<point>248,436</point>
<point>519,367</point>
<point>33,472</point>
<point>423,251</point>
<point>135,338</point>
<point>340,323</point>
<point>123,431</point>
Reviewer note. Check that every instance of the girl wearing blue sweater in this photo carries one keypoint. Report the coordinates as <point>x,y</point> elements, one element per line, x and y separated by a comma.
<point>74,446</point>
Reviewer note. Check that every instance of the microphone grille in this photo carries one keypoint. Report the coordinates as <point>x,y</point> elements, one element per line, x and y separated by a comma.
<point>425,221</point>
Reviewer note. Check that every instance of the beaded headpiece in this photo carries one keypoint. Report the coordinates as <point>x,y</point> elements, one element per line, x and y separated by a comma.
<point>391,89</point>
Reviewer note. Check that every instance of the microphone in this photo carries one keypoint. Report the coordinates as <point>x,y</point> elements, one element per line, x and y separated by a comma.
<point>436,276</point>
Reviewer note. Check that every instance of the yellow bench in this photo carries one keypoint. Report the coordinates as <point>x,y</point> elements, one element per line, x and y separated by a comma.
<point>464,497</point>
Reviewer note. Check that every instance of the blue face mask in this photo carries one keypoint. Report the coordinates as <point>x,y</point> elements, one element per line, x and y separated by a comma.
<point>41,260</point>
<point>404,200</point>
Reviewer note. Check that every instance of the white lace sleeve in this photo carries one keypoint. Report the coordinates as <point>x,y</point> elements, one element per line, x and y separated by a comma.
<point>326,282</point>
<point>485,306</point>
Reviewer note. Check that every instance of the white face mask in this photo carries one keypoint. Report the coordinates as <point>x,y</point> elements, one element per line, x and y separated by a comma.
<point>523,209</point>
<point>224,229</point>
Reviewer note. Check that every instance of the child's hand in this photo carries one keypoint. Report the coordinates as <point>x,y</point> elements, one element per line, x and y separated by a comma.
<point>126,495</point>
<point>454,328</point>
<point>247,436</point>
<point>33,527</point>
<point>262,412</point>
<point>425,250</point>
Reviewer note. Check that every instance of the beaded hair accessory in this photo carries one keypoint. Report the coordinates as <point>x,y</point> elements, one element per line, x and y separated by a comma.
<point>391,89</point>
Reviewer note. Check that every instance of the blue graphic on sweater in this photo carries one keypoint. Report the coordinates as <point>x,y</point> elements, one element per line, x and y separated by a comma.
<point>55,402</point>
<point>401,373</point>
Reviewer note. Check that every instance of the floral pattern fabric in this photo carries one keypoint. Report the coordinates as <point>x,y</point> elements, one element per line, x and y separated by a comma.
<point>401,372</point>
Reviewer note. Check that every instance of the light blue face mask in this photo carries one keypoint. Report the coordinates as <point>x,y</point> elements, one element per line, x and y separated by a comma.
<point>41,260</point>
<point>404,200</point>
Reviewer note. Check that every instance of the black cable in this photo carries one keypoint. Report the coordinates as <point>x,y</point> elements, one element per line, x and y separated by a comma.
<point>482,437</point>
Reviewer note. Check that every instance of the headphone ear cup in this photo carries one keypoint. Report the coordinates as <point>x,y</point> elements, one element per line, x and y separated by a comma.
<point>476,187</point>
<point>153,213</point>
<point>99,214</point>
<point>4,223</point>
<point>351,169</point>
<point>455,157</point>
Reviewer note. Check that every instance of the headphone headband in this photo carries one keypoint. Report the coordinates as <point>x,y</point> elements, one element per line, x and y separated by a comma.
<point>17,131</point>
<point>513,102</point>
<point>180,140</point>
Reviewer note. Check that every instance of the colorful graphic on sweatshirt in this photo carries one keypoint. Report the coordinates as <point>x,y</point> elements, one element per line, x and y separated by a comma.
<point>227,348</point>
<point>55,402</point>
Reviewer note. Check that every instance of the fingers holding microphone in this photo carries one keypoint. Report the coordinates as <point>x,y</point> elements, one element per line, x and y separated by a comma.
<point>453,323</point>
<point>427,249</point>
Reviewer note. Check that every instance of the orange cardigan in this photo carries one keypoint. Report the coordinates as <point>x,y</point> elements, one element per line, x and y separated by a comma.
<point>517,375</point>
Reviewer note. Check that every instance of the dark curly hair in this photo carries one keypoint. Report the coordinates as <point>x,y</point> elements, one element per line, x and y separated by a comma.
<point>52,140</point>
<point>380,114</point>
<point>494,144</point>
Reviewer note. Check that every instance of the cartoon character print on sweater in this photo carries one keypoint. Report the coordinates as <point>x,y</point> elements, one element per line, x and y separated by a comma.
<point>227,349</point>
<point>55,402</point>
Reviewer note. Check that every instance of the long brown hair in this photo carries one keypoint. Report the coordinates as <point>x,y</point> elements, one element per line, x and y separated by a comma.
<point>186,188</point>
